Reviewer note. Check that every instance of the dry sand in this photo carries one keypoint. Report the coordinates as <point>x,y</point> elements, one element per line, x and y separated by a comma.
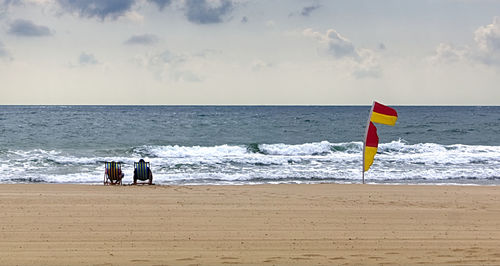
<point>327,224</point>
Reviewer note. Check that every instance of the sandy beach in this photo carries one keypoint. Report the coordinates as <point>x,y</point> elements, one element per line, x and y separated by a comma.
<point>327,224</point>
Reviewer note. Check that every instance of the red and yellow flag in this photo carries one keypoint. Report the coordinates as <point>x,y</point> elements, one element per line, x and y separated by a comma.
<point>380,114</point>
<point>371,145</point>
<point>383,114</point>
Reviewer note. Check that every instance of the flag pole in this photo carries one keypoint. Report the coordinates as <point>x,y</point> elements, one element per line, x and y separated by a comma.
<point>364,142</point>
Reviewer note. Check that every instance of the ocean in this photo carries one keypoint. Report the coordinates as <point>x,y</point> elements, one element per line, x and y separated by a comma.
<point>249,144</point>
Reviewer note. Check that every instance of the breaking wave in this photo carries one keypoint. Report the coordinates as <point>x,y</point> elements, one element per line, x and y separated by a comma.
<point>397,161</point>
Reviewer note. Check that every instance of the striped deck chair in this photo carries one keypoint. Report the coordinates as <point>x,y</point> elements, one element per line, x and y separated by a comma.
<point>142,172</point>
<point>113,174</point>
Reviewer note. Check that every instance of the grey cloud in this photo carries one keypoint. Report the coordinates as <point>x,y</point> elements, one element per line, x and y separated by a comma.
<point>145,39</point>
<point>204,12</point>
<point>381,46</point>
<point>306,11</point>
<point>161,3</point>
<point>244,19</point>
<point>86,59</point>
<point>26,28</point>
<point>339,46</point>
<point>5,4</point>
<point>101,9</point>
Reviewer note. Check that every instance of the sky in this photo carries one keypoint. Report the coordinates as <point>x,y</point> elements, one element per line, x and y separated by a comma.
<point>250,52</point>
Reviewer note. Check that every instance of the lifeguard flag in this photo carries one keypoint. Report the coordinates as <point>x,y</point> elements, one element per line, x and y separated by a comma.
<point>383,114</point>
<point>371,145</point>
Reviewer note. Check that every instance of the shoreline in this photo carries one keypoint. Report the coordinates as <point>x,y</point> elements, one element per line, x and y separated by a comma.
<point>273,224</point>
<point>264,184</point>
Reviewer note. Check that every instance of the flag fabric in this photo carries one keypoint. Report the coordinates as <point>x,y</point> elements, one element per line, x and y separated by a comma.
<point>382,114</point>
<point>371,145</point>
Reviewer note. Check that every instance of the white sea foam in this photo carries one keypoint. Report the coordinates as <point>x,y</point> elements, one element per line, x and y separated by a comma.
<point>309,162</point>
<point>299,149</point>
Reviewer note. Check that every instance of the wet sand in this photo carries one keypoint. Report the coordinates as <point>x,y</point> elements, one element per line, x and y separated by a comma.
<point>327,224</point>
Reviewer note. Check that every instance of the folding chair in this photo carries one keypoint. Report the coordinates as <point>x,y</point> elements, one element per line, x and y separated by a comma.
<point>113,174</point>
<point>142,172</point>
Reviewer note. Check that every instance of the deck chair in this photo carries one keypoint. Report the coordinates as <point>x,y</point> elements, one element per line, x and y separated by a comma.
<point>113,174</point>
<point>142,172</point>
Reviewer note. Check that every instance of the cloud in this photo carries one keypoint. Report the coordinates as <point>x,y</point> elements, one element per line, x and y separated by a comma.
<point>173,66</point>
<point>306,11</point>
<point>487,39</point>
<point>4,54</point>
<point>5,5</point>
<point>26,28</point>
<point>244,19</point>
<point>333,43</point>
<point>270,24</point>
<point>161,3</point>
<point>144,39</point>
<point>133,16</point>
<point>368,65</point>
<point>486,48</point>
<point>363,62</point>
<point>446,53</point>
<point>258,65</point>
<point>101,9</point>
<point>87,59</point>
<point>207,12</point>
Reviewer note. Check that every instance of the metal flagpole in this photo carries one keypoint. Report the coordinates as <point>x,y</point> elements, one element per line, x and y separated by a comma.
<point>364,142</point>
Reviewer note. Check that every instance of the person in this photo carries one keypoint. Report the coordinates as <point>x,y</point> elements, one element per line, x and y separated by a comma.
<point>113,179</point>
<point>150,174</point>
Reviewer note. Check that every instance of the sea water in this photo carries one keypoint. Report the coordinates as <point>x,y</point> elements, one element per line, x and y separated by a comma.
<point>248,144</point>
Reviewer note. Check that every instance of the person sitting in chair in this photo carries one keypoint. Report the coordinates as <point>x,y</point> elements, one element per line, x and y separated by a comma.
<point>142,171</point>
<point>113,172</point>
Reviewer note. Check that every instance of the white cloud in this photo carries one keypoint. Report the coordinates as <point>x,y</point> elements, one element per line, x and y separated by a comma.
<point>134,16</point>
<point>171,66</point>
<point>487,39</point>
<point>446,53</point>
<point>486,49</point>
<point>333,43</point>
<point>270,23</point>
<point>368,64</point>
<point>4,53</point>
<point>258,65</point>
<point>363,62</point>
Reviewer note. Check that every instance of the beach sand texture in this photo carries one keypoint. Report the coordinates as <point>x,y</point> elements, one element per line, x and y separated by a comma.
<point>328,224</point>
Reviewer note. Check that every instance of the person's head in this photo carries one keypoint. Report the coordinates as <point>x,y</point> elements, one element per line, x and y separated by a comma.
<point>141,160</point>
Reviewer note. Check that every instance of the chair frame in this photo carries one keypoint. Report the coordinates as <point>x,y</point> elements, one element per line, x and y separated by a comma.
<point>117,168</point>
<point>144,181</point>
